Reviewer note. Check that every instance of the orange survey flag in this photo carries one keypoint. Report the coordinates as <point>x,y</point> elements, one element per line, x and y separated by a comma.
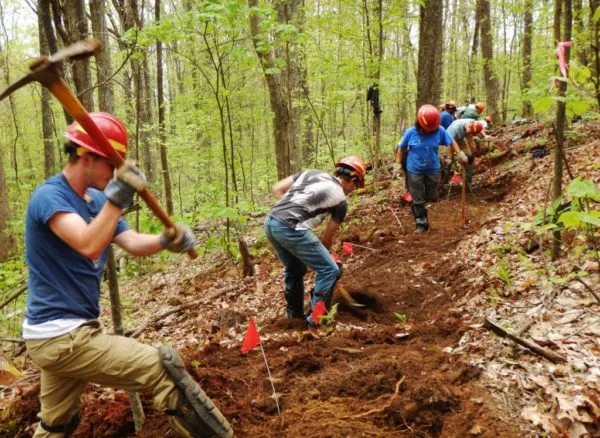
<point>251,339</point>
<point>347,248</point>
<point>455,180</point>
<point>318,311</point>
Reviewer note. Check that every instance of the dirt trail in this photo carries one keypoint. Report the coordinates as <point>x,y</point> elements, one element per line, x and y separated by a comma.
<point>374,377</point>
<point>364,377</point>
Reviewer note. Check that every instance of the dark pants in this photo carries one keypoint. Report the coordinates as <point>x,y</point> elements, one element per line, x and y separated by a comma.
<point>404,161</point>
<point>423,188</point>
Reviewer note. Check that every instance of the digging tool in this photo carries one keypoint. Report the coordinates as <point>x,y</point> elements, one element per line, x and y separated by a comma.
<point>342,295</point>
<point>338,290</point>
<point>45,71</point>
<point>463,200</point>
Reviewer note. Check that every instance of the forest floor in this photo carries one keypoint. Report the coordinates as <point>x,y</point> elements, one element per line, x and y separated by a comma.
<point>440,373</point>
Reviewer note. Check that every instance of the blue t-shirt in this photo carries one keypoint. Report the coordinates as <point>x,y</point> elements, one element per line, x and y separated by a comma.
<point>423,156</point>
<point>63,284</point>
<point>446,119</point>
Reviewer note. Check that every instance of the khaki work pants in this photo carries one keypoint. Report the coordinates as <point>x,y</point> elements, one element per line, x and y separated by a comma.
<point>70,361</point>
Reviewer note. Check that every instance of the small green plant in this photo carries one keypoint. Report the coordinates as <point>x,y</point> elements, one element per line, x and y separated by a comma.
<point>569,215</point>
<point>330,316</point>
<point>508,226</point>
<point>501,249</point>
<point>502,271</point>
<point>401,317</point>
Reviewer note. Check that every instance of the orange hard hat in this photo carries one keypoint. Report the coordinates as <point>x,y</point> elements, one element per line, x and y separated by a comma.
<point>480,107</point>
<point>428,118</point>
<point>113,129</point>
<point>354,167</point>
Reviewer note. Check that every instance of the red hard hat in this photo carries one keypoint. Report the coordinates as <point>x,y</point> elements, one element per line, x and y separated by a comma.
<point>111,127</point>
<point>428,118</point>
<point>355,167</point>
<point>476,127</point>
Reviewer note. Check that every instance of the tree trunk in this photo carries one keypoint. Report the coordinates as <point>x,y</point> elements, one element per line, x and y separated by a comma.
<point>378,56</point>
<point>162,138</point>
<point>487,52</point>
<point>557,20</point>
<point>147,133</point>
<point>43,8</point>
<point>429,79</point>
<point>103,58</point>
<point>77,29</point>
<point>527,46</point>
<point>7,242</point>
<point>470,87</point>
<point>582,49</point>
<point>560,126</point>
<point>129,15</point>
<point>283,124</point>
<point>292,12</point>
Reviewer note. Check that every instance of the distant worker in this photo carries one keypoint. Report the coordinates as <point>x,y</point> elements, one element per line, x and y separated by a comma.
<point>462,132</point>
<point>488,123</point>
<point>305,200</point>
<point>448,113</point>
<point>473,111</point>
<point>423,163</point>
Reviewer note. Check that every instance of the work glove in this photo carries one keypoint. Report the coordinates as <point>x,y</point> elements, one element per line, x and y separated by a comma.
<point>397,169</point>
<point>178,239</point>
<point>128,180</point>
<point>462,158</point>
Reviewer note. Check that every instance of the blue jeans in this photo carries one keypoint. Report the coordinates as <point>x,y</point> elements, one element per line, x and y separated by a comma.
<point>298,249</point>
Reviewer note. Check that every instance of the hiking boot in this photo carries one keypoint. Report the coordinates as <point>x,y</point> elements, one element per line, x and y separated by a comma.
<point>421,229</point>
<point>195,415</point>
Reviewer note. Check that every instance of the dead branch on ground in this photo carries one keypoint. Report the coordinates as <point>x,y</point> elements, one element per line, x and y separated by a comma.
<point>136,332</point>
<point>530,345</point>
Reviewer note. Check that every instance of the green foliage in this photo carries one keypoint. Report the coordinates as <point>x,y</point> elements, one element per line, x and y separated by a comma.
<point>401,317</point>
<point>12,273</point>
<point>502,271</point>
<point>330,316</point>
<point>581,192</point>
<point>502,249</point>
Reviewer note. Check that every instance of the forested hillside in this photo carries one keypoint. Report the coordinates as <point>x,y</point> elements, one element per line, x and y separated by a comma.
<point>486,325</point>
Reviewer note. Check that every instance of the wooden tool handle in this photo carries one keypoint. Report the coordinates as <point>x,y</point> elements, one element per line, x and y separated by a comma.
<point>70,102</point>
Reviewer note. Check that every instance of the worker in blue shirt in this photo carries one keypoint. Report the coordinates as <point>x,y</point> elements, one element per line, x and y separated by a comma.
<point>423,164</point>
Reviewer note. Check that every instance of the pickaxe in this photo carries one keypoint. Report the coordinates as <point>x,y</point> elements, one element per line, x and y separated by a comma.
<point>45,71</point>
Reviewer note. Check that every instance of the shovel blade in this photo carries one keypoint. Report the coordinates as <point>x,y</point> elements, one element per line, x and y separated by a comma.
<point>343,296</point>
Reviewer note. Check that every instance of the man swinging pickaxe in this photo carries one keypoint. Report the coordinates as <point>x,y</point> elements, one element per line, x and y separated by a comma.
<point>45,71</point>
<point>69,225</point>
